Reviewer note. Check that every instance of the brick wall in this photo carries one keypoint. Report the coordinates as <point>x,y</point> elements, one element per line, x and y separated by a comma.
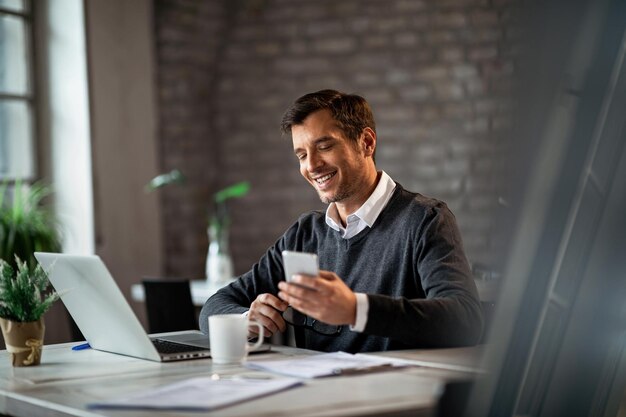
<point>437,74</point>
<point>187,37</point>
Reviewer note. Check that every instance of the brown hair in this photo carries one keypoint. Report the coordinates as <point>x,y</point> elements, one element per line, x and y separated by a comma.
<point>351,112</point>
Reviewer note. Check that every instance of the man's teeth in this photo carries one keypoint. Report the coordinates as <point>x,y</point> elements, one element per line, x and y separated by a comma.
<point>324,178</point>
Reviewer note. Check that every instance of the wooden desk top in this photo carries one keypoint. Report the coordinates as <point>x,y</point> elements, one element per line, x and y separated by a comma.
<point>67,380</point>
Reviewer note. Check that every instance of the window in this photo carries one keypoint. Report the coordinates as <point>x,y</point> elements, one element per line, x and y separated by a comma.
<point>17,152</point>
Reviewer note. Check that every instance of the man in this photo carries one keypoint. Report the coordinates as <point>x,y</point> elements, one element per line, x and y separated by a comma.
<point>393,274</point>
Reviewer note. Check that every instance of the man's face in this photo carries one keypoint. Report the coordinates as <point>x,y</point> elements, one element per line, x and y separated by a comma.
<point>336,167</point>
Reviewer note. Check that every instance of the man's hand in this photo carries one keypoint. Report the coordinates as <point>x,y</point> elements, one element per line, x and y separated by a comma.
<point>325,298</point>
<point>267,309</point>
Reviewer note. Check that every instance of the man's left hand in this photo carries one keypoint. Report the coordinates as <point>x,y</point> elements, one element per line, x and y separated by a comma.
<point>325,297</point>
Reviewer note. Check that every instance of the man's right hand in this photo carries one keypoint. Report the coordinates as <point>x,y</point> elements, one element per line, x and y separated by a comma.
<point>267,309</point>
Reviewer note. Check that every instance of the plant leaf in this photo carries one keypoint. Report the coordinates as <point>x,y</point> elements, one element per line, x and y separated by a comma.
<point>236,190</point>
<point>23,294</point>
<point>26,225</point>
<point>172,177</point>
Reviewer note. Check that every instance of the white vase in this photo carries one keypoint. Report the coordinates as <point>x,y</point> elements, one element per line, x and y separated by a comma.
<point>219,264</point>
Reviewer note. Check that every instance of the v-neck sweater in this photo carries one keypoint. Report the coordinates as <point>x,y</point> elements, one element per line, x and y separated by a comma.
<point>410,263</point>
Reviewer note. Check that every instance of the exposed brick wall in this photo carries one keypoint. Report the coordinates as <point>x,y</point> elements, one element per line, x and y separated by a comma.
<point>436,73</point>
<point>187,37</point>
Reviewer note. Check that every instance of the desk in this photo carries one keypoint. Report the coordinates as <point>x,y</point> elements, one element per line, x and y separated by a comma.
<point>201,290</point>
<point>66,380</point>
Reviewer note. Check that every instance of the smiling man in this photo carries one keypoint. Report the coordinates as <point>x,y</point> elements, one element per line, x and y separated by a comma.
<point>393,273</point>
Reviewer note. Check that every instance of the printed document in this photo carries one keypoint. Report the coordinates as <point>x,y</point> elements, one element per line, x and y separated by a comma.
<point>199,394</point>
<point>327,364</point>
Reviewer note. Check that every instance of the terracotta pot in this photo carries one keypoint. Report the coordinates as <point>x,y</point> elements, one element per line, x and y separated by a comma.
<point>23,341</point>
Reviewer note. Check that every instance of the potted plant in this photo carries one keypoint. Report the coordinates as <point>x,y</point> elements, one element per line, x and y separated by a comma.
<point>25,296</point>
<point>219,264</point>
<point>26,226</point>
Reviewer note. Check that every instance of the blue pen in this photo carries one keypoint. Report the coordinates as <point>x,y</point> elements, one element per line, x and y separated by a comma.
<point>81,347</point>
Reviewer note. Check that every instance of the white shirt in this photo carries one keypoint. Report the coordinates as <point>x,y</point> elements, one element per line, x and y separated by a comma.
<point>356,222</point>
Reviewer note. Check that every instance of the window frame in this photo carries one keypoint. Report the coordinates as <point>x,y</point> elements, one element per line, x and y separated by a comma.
<point>30,98</point>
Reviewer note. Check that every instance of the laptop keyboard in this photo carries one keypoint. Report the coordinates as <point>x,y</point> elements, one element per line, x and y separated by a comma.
<point>165,346</point>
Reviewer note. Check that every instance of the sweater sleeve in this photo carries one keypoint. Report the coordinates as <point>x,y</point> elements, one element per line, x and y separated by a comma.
<point>450,314</point>
<point>236,297</point>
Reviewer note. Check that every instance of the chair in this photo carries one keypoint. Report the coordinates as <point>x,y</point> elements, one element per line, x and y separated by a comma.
<point>169,305</point>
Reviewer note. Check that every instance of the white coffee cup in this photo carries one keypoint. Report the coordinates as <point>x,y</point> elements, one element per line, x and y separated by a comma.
<point>228,334</point>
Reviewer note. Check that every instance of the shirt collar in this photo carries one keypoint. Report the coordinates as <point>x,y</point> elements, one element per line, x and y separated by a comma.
<point>370,210</point>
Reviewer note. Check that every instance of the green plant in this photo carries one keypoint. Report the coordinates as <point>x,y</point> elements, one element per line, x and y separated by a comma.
<point>160,181</point>
<point>24,295</point>
<point>220,219</point>
<point>26,226</point>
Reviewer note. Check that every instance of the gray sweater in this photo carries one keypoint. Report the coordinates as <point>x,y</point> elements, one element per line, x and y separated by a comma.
<point>410,264</point>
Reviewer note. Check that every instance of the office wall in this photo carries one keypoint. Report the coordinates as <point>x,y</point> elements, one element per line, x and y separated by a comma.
<point>124,139</point>
<point>437,73</point>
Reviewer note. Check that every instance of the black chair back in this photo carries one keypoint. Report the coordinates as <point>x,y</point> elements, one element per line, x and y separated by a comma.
<point>169,305</point>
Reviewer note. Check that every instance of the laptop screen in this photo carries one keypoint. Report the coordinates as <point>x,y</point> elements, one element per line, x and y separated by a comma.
<point>96,304</point>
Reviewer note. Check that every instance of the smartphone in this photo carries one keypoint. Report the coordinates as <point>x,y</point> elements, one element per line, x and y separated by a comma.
<point>299,263</point>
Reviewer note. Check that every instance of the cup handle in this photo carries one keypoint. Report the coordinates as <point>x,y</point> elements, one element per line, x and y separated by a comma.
<point>251,348</point>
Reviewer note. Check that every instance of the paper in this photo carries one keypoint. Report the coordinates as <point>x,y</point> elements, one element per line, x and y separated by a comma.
<point>199,394</point>
<point>337,363</point>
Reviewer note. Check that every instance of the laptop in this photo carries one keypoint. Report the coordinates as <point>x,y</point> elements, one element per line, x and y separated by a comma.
<point>103,315</point>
